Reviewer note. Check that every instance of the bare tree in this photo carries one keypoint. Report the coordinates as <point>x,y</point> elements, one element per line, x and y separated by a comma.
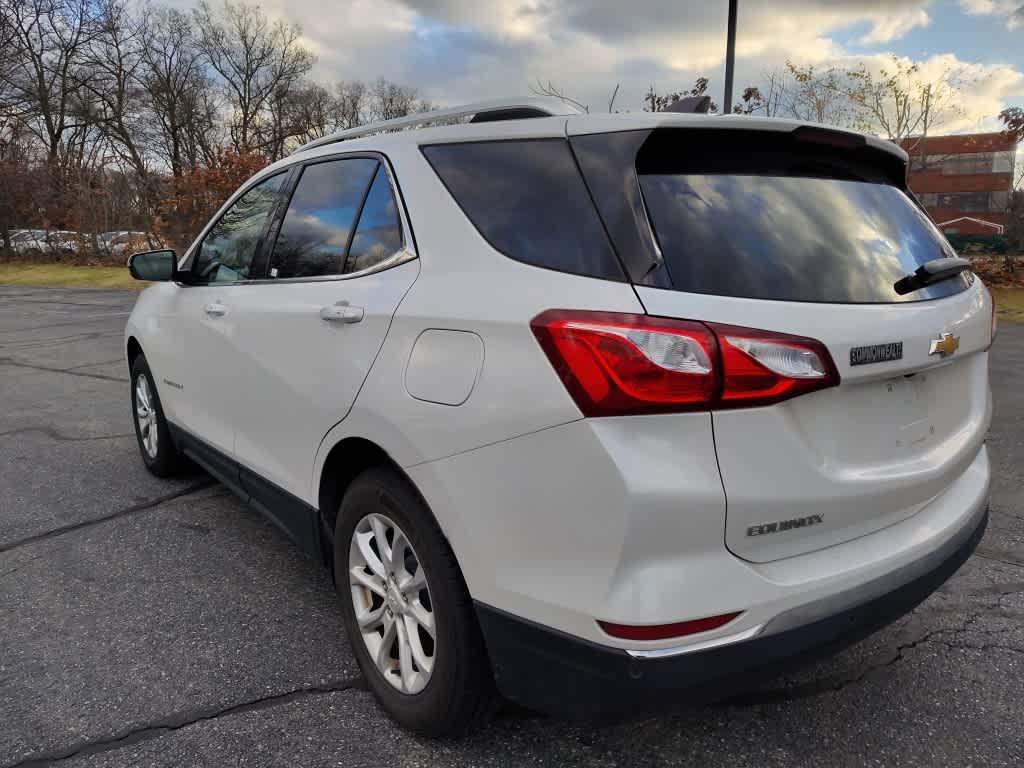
<point>550,90</point>
<point>303,112</point>
<point>16,204</point>
<point>810,94</point>
<point>899,103</point>
<point>111,97</point>
<point>770,96</point>
<point>41,80</point>
<point>43,72</point>
<point>1013,126</point>
<point>177,89</point>
<point>311,112</point>
<point>253,57</point>
<point>611,99</point>
<point>350,104</point>
<point>387,100</point>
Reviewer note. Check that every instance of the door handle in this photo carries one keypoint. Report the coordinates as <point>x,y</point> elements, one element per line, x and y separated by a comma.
<point>342,312</point>
<point>215,309</point>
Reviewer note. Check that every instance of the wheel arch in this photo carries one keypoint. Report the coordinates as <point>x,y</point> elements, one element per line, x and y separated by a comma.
<point>346,460</point>
<point>132,350</point>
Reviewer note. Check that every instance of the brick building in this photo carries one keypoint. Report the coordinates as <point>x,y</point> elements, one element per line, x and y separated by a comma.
<point>964,181</point>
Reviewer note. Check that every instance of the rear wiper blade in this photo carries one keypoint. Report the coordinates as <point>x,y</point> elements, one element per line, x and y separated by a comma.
<point>931,272</point>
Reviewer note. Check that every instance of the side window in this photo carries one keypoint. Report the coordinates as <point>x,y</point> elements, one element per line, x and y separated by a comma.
<point>317,228</point>
<point>228,249</point>
<point>379,233</point>
<point>528,201</point>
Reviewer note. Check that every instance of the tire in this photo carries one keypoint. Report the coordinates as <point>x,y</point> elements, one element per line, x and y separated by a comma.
<point>457,695</point>
<point>162,457</point>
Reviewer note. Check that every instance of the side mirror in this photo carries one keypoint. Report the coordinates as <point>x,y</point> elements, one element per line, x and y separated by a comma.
<point>153,265</point>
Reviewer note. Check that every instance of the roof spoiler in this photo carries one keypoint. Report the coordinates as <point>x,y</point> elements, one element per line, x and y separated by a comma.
<point>691,105</point>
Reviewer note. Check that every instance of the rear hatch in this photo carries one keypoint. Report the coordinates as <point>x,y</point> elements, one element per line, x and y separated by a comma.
<point>806,233</point>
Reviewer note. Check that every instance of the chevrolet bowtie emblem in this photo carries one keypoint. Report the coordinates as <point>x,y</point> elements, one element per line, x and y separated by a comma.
<point>945,346</point>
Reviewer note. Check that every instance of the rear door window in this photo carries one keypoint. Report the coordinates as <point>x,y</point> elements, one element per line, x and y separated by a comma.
<point>379,232</point>
<point>527,199</point>
<point>318,227</point>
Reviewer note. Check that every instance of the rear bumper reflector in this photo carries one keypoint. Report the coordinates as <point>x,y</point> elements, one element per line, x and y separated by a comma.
<point>667,631</point>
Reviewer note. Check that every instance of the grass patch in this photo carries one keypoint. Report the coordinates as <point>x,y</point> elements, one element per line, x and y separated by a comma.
<point>1009,302</point>
<point>71,275</point>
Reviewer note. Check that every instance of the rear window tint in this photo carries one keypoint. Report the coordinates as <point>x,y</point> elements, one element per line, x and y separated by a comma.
<point>792,238</point>
<point>528,201</point>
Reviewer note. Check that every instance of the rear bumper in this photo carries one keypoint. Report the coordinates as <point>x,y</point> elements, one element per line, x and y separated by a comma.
<point>565,676</point>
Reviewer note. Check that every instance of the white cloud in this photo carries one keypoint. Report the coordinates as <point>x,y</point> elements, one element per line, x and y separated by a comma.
<point>985,88</point>
<point>464,50</point>
<point>978,7</point>
<point>893,27</point>
<point>1012,10</point>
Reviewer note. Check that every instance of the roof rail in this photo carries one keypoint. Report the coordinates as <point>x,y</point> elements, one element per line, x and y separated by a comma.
<point>484,111</point>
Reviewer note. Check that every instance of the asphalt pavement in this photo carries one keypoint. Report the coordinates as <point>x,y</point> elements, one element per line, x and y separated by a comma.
<point>146,622</point>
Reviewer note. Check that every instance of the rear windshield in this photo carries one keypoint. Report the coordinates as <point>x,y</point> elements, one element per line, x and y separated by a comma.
<point>792,238</point>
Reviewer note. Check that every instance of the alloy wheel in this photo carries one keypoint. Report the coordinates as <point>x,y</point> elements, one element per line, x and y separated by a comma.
<point>392,603</point>
<point>145,415</point>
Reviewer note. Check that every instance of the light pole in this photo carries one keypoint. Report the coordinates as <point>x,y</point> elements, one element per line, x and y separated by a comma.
<point>730,58</point>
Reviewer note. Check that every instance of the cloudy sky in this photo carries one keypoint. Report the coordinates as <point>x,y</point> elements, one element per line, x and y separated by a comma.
<point>463,50</point>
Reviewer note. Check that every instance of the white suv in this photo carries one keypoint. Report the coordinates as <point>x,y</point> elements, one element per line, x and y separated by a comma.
<point>600,413</point>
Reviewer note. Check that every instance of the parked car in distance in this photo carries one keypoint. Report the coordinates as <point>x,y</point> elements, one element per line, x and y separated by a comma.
<point>127,243</point>
<point>23,240</point>
<point>65,241</point>
<point>124,243</point>
<point>601,413</point>
<point>39,242</point>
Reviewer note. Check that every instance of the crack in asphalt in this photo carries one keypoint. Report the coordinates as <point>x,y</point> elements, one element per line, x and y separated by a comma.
<point>60,437</point>
<point>1009,588</point>
<point>19,364</point>
<point>983,647</point>
<point>56,341</point>
<point>141,507</point>
<point>23,299</point>
<point>893,656</point>
<point>79,321</point>
<point>1006,559</point>
<point>826,685</point>
<point>178,720</point>
<point>18,567</point>
<point>103,362</point>
<point>838,683</point>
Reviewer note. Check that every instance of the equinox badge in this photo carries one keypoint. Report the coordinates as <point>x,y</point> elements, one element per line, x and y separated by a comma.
<point>945,346</point>
<point>784,525</point>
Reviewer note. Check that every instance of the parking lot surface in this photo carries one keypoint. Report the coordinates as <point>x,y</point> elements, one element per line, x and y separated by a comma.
<point>162,623</point>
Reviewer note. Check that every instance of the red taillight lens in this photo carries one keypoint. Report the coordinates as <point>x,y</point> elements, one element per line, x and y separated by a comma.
<point>762,367</point>
<point>666,631</point>
<point>616,364</point>
<point>995,320</point>
<point>620,363</point>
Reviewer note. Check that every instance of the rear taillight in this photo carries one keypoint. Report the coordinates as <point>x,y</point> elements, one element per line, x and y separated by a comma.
<point>995,319</point>
<point>615,363</point>
<point>762,367</point>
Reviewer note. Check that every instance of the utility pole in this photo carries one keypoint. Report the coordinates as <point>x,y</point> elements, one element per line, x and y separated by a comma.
<point>730,58</point>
